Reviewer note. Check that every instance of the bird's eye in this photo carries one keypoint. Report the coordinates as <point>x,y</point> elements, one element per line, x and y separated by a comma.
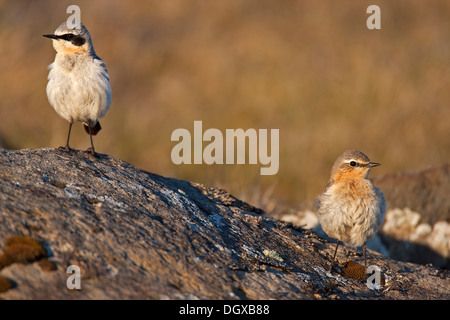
<point>352,163</point>
<point>69,36</point>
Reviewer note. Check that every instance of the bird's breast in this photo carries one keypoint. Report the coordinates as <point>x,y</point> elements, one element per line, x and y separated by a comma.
<point>78,88</point>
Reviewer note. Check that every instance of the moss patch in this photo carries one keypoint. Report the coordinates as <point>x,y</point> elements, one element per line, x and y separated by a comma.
<point>5,284</point>
<point>21,249</point>
<point>354,270</point>
<point>46,265</point>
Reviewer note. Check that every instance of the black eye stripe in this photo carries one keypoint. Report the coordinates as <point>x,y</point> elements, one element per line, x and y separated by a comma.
<point>67,37</point>
<point>357,164</point>
<point>76,40</point>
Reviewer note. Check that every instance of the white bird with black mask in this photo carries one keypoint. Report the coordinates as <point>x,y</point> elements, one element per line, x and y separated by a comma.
<point>78,83</point>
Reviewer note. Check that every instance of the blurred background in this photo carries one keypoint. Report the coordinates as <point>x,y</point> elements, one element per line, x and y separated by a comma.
<point>309,68</point>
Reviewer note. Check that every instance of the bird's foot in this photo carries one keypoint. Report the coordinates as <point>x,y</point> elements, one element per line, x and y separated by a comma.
<point>331,265</point>
<point>91,150</point>
<point>65,148</point>
<point>351,253</point>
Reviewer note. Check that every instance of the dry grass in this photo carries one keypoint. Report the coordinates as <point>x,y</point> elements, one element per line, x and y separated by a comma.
<point>309,68</point>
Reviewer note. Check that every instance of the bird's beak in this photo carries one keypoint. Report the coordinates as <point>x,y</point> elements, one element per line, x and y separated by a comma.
<point>51,36</point>
<point>373,164</point>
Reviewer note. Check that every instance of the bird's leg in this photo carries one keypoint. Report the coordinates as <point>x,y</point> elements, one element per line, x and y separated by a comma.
<point>364,252</point>
<point>334,255</point>
<point>91,149</point>
<point>67,148</point>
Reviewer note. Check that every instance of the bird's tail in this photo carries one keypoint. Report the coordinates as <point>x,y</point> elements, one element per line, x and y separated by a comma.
<point>94,130</point>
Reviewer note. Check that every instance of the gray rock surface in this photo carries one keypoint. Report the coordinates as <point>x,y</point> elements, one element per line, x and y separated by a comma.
<point>138,235</point>
<point>424,191</point>
<point>417,226</point>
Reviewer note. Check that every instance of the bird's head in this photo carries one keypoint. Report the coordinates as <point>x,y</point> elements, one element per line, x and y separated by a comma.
<point>71,40</point>
<point>352,164</point>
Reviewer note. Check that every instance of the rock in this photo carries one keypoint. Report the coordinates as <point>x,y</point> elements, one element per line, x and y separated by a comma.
<point>423,191</point>
<point>138,235</point>
<point>408,240</point>
<point>417,226</point>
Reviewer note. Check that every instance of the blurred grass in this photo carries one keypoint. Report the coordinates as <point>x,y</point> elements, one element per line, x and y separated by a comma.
<point>309,68</point>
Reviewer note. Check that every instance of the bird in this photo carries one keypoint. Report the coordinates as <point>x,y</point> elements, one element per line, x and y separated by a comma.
<point>351,209</point>
<point>78,82</point>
